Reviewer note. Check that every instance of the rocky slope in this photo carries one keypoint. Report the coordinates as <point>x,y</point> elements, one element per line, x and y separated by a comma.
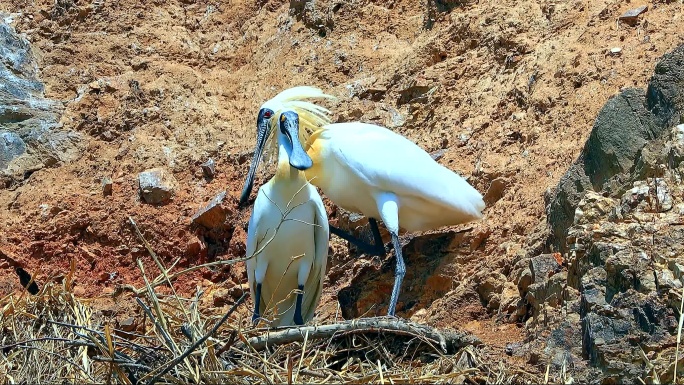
<point>505,93</point>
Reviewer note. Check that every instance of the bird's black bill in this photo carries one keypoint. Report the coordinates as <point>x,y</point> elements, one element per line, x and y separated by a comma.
<point>258,152</point>
<point>289,125</point>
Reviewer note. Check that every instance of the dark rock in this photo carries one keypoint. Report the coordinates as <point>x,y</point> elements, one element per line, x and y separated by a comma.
<point>107,186</point>
<point>563,346</point>
<point>546,294</point>
<point>209,168</point>
<point>542,267</point>
<point>632,15</point>
<point>316,15</point>
<point>616,214</point>
<point>625,271</point>
<point>665,92</point>
<point>156,185</point>
<point>599,331</point>
<point>593,289</point>
<point>128,325</point>
<point>623,127</point>
<point>567,195</point>
<point>30,138</point>
<point>213,215</point>
<point>11,147</point>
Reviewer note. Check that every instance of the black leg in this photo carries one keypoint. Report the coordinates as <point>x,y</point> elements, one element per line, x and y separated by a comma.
<point>298,319</point>
<point>398,275</point>
<point>377,249</point>
<point>257,299</point>
<point>379,244</point>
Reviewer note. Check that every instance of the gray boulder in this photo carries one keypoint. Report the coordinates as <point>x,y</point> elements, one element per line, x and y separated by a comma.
<point>625,124</point>
<point>665,93</point>
<point>30,135</point>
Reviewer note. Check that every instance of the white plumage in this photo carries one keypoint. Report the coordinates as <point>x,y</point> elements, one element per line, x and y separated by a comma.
<point>369,169</point>
<point>355,162</point>
<point>288,238</point>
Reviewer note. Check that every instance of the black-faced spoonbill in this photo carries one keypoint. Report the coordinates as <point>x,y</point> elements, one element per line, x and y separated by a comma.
<point>371,170</point>
<point>287,236</point>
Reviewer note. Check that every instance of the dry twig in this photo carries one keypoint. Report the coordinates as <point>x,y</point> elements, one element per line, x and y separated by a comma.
<point>447,341</point>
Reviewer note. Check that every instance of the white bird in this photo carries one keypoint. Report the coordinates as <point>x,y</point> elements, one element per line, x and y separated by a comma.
<point>287,236</point>
<point>369,169</point>
<point>311,118</point>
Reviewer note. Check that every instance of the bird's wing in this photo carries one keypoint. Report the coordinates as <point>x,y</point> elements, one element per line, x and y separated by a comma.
<point>390,162</point>
<point>255,236</point>
<point>321,240</point>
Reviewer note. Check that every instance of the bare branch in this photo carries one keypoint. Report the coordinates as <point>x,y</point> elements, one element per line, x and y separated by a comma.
<point>447,341</point>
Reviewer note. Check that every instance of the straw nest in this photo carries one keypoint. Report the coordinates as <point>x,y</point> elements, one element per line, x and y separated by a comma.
<point>55,337</point>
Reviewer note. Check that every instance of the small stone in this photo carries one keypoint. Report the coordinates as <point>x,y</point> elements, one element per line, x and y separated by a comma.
<point>221,296</point>
<point>666,280</point>
<point>543,266</point>
<point>156,185</point>
<point>509,298</point>
<point>678,270</point>
<point>79,291</point>
<point>632,15</point>
<point>437,155</point>
<point>127,325</point>
<point>104,276</point>
<point>495,191</point>
<point>213,214</point>
<point>195,247</point>
<point>107,186</point>
<point>238,290</point>
<point>244,156</point>
<point>524,280</point>
<point>616,51</point>
<point>139,63</point>
<point>512,347</point>
<point>209,168</point>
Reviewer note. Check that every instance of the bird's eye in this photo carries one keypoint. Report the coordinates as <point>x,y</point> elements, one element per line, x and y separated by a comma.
<point>267,114</point>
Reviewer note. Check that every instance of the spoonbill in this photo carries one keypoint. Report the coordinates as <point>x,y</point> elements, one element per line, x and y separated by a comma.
<point>312,117</point>
<point>288,233</point>
<point>371,170</point>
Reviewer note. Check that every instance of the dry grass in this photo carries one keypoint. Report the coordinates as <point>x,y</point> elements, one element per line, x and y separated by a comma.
<point>54,337</point>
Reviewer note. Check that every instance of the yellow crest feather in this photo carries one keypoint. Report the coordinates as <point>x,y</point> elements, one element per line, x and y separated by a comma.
<point>311,116</point>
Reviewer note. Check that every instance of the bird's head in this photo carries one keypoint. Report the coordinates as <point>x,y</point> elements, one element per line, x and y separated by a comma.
<point>264,129</point>
<point>300,118</point>
<point>288,135</point>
